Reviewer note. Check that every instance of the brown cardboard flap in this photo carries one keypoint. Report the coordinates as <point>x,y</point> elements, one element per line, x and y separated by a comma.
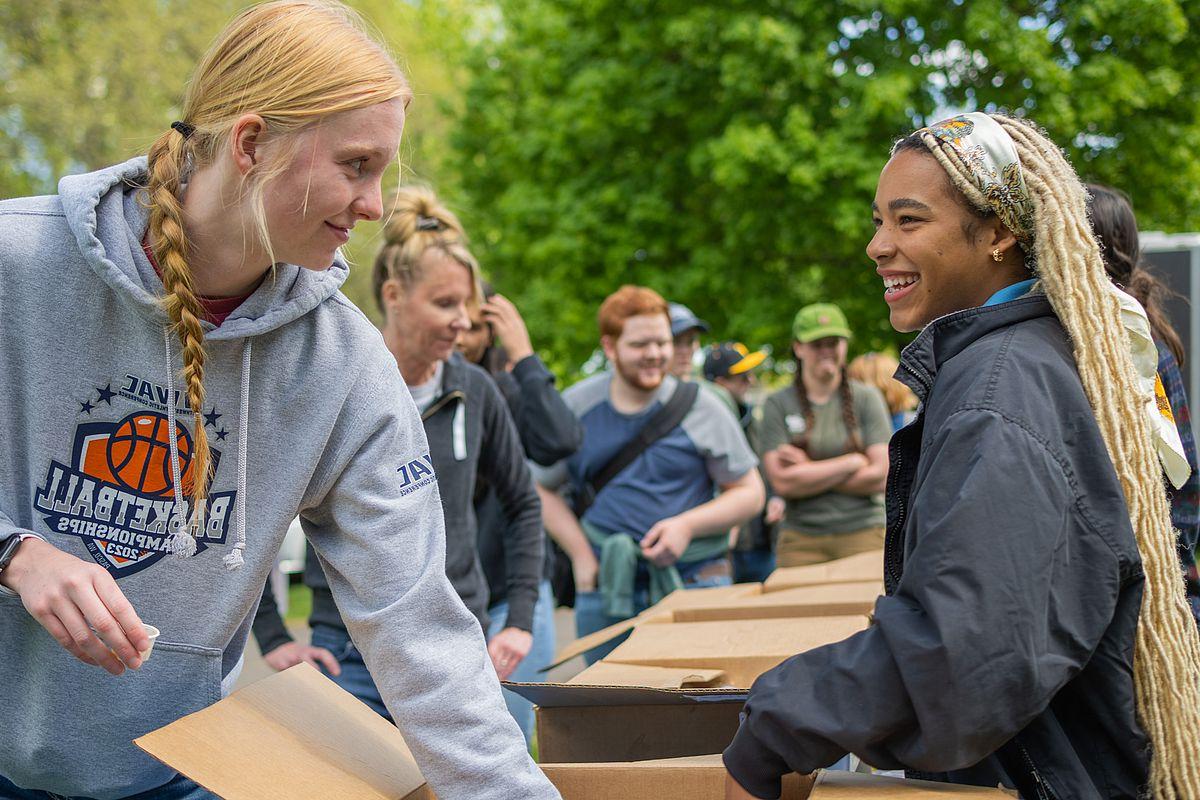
<point>859,567</point>
<point>857,786</point>
<point>659,612</point>
<point>825,600</point>
<point>295,734</point>
<point>742,649</point>
<point>589,734</point>
<point>690,778</point>
<point>604,673</point>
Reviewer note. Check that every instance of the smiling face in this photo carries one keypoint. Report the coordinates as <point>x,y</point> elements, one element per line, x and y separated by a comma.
<point>933,253</point>
<point>641,353</point>
<point>331,182</point>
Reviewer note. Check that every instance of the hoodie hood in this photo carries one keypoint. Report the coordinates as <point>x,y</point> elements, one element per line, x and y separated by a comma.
<point>106,215</point>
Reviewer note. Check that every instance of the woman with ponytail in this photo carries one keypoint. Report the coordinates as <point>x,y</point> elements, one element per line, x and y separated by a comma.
<point>426,283</point>
<point>182,378</point>
<point>823,444</point>
<point>1034,632</point>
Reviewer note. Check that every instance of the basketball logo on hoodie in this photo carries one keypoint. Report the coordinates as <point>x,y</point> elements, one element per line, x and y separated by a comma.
<point>117,492</point>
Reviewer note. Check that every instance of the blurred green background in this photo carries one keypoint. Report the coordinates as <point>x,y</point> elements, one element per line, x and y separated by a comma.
<point>724,153</point>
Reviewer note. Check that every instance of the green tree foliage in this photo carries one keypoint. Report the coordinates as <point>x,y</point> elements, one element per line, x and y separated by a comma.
<point>726,152</point>
<point>84,84</point>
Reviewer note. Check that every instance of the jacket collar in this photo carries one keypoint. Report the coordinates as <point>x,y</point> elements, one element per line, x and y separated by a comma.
<point>948,336</point>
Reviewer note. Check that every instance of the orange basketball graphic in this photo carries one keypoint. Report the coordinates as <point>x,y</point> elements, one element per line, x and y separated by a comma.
<point>139,453</point>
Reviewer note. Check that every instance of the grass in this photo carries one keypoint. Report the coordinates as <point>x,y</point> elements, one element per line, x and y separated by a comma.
<point>299,602</point>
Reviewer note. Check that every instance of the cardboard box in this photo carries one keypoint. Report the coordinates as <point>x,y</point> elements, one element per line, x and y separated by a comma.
<point>671,689</point>
<point>703,778</point>
<point>695,778</point>
<point>295,734</point>
<point>659,612</point>
<point>860,567</point>
<point>833,599</point>
<point>857,786</point>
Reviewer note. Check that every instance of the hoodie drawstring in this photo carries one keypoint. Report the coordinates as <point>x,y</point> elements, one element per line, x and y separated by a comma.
<point>182,543</point>
<point>234,560</point>
<point>183,534</point>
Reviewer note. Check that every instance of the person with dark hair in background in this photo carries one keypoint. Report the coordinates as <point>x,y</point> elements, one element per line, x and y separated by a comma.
<point>425,281</point>
<point>1115,226</point>
<point>549,432</point>
<point>732,366</point>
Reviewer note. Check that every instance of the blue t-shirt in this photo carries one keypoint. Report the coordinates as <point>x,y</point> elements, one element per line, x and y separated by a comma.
<point>678,472</point>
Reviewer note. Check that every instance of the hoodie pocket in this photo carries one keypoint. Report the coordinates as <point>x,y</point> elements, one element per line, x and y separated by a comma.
<point>69,727</point>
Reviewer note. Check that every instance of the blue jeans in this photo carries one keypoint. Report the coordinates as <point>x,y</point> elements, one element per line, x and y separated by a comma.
<point>355,678</point>
<point>540,655</point>
<point>590,616</point>
<point>752,566</point>
<point>180,788</point>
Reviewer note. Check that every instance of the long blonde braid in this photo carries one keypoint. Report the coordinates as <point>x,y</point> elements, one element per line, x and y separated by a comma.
<point>1069,264</point>
<point>166,164</point>
<point>293,63</point>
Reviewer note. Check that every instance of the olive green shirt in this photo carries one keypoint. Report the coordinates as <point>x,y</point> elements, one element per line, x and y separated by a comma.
<point>780,421</point>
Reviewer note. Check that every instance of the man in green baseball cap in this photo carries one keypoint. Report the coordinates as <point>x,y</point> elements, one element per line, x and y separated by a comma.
<point>819,321</point>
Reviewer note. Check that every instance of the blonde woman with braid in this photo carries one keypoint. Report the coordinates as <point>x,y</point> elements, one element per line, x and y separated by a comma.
<point>1034,632</point>
<point>823,445</point>
<point>182,377</point>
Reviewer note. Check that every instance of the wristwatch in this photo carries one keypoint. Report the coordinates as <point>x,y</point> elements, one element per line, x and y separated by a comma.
<point>9,549</point>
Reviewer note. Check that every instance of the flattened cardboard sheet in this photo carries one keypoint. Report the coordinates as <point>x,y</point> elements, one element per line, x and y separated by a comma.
<point>659,612</point>
<point>857,786</point>
<point>859,567</point>
<point>824,600</point>
<point>742,649</point>
<point>602,673</point>
<point>691,778</point>
<point>295,734</point>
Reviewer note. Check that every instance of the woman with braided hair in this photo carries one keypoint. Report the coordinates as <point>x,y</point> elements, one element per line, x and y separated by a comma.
<point>1034,633</point>
<point>145,306</point>
<point>823,444</point>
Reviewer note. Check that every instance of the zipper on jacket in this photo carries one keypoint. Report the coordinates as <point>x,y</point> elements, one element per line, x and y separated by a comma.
<point>442,402</point>
<point>1039,783</point>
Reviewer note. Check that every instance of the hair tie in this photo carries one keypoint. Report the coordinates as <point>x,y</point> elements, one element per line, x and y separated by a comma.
<point>184,129</point>
<point>428,223</point>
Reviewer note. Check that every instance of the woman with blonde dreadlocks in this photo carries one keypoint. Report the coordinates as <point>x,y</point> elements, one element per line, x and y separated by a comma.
<point>1034,633</point>
<point>182,377</point>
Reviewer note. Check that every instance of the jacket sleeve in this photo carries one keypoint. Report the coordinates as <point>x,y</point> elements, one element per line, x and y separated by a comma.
<point>549,430</point>
<point>502,465</point>
<point>1008,587</point>
<point>268,627</point>
<point>9,529</point>
<point>373,515</point>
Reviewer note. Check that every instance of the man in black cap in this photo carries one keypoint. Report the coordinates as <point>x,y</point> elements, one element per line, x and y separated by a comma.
<point>731,366</point>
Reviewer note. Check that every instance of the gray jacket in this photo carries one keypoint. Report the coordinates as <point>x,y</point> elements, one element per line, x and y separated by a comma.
<point>1003,651</point>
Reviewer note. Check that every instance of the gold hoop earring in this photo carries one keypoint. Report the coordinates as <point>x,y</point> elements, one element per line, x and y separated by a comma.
<point>996,255</point>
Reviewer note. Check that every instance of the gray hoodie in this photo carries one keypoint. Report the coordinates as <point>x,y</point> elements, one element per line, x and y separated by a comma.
<point>306,413</point>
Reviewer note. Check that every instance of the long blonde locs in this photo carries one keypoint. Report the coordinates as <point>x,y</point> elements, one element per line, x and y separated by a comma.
<point>1072,274</point>
<point>294,63</point>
